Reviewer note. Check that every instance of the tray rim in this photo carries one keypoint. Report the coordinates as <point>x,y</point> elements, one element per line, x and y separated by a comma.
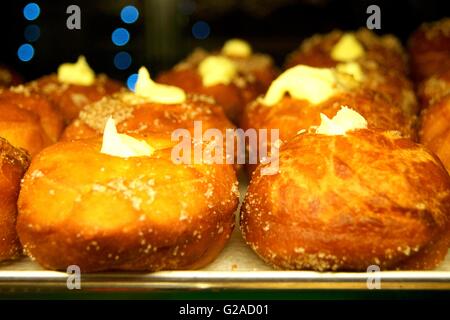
<point>234,280</point>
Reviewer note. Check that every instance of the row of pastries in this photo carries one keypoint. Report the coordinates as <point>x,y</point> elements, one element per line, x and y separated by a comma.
<point>88,173</point>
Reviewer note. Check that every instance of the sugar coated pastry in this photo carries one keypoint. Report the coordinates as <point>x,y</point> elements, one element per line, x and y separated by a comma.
<point>123,203</point>
<point>346,197</point>
<point>13,164</point>
<point>74,86</point>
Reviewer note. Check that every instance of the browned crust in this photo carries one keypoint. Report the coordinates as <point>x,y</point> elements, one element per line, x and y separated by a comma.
<point>134,214</point>
<point>435,129</point>
<point>385,51</point>
<point>142,117</point>
<point>232,97</point>
<point>258,66</point>
<point>22,129</point>
<point>292,115</point>
<point>383,65</point>
<point>429,48</point>
<point>70,98</point>
<point>348,202</point>
<point>13,164</point>
<point>51,120</point>
<point>433,89</point>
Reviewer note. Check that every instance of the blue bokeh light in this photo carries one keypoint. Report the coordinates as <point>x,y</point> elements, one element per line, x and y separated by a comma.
<point>32,33</point>
<point>201,30</point>
<point>31,11</point>
<point>131,81</point>
<point>25,52</point>
<point>122,60</point>
<point>129,14</point>
<point>120,36</point>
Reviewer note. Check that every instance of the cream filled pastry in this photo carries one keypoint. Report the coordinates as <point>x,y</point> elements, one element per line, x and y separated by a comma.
<point>233,76</point>
<point>152,108</point>
<point>327,50</point>
<point>74,86</point>
<point>124,205</point>
<point>377,62</point>
<point>297,98</point>
<point>347,197</point>
<point>13,164</point>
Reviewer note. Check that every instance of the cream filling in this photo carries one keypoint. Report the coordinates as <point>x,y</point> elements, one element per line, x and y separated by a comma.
<point>345,120</point>
<point>303,82</point>
<point>237,48</point>
<point>347,48</point>
<point>156,92</point>
<point>121,145</point>
<point>78,73</point>
<point>216,70</point>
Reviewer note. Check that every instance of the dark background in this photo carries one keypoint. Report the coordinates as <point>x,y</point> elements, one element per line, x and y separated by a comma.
<point>163,33</point>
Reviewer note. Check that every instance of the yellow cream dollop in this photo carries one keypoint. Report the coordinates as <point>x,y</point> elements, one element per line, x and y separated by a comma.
<point>156,92</point>
<point>351,68</point>
<point>78,73</point>
<point>121,145</point>
<point>302,82</point>
<point>237,48</point>
<point>216,70</point>
<point>347,48</point>
<point>345,120</point>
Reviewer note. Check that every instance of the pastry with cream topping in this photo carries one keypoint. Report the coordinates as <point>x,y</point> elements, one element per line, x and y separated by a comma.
<point>257,65</point>
<point>233,76</point>
<point>123,204</point>
<point>347,197</point>
<point>328,50</point>
<point>297,97</point>
<point>152,108</point>
<point>74,86</point>
<point>13,164</point>
<point>377,63</point>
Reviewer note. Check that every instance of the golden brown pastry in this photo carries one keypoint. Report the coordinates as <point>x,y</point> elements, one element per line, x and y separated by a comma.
<point>348,200</point>
<point>49,118</point>
<point>135,114</point>
<point>435,129</point>
<point>75,88</point>
<point>13,164</point>
<point>429,48</point>
<point>362,46</point>
<point>22,129</point>
<point>256,65</point>
<point>152,108</point>
<point>396,87</point>
<point>431,90</point>
<point>296,99</point>
<point>104,212</point>
<point>378,63</point>
<point>217,76</point>
<point>291,115</point>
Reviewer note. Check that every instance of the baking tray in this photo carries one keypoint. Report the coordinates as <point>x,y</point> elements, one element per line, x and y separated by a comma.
<point>237,267</point>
